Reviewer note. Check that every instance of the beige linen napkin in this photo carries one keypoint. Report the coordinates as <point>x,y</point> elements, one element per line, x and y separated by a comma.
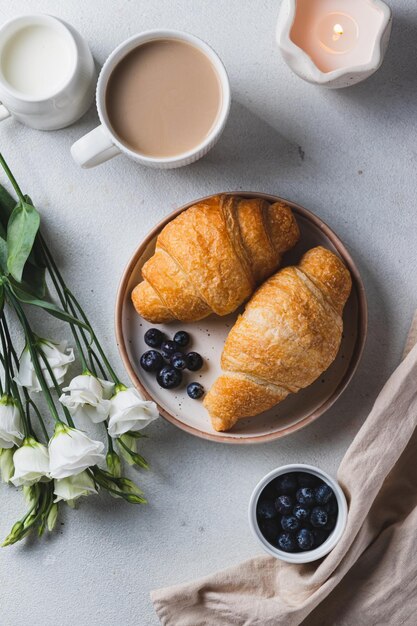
<point>370,578</point>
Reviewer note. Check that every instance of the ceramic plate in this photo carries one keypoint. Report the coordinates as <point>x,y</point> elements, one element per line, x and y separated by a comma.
<point>208,337</point>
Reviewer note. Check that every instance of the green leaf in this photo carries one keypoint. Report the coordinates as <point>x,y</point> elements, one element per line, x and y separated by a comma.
<point>22,228</point>
<point>1,298</point>
<point>7,204</point>
<point>36,257</point>
<point>33,280</point>
<point>50,307</point>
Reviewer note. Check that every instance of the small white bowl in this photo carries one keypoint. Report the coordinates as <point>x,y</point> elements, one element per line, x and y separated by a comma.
<point>331,541</point>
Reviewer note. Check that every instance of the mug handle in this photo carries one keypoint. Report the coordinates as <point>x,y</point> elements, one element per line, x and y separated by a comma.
<point>94,148</point>
<point>4,113</point>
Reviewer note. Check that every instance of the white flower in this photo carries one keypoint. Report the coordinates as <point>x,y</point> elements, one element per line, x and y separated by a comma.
<point>71,452</point>
<point>88,396</point>
<point>10,423</point>
<point>73,487</point>
<point>58,357</point>
<point>31,463</point>
<point>129,411</point>
<point>6,464</point>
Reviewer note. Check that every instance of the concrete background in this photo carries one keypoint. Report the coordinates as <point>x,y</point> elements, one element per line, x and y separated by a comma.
<point>349,156</point>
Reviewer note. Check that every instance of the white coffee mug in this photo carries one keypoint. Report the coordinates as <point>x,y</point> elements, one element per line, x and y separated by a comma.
<point>101,144</point>
<point>67,101</point>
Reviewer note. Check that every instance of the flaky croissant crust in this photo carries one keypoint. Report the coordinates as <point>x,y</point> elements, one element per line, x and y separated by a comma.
<point>288,335</point>
<point>212,256</point>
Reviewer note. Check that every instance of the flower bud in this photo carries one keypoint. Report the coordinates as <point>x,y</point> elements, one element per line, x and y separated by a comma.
<point>6,464</point>
<point>14,535</point>
<point>31,494</point>
<point>129,486</point>
<point>52,517</point>
<point>134,499</point>
<point>130,443</point>
<point>114,464</point>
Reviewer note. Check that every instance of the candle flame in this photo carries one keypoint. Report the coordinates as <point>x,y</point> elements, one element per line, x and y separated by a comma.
<point>338,32</point>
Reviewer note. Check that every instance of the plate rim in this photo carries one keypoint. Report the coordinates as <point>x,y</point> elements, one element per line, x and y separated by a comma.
<point>357,284</point>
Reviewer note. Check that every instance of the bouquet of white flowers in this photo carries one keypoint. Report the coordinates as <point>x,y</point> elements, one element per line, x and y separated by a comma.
<point>66,464</point>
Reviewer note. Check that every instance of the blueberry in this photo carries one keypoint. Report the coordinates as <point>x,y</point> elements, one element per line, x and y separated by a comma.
<point>320,536</point>
<point>307,480</point>
<point>194,361</point>
<point>286,484</point>
<point>169,378</point>
<point>305,495</point>
<point>284,505</point>
<point>266,509</point>
<point>289,522</point>
<point>331,507</point>
<point>301,512</point>
<point>269,528</point>
<point>319,517</point>
<point>151,361</point>
<point>286,542</point>
<point>305,539</point>
<point>154,338</point>
<point>182,338</point>
<point>323,493</point>
<point>178,361</point>
<point>169,348</point>
<point>195,391</point>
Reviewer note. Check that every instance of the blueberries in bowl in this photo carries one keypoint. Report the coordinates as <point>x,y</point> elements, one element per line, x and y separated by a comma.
<point>169,378</point>
<point>305,539</point>
<point>286,542</point>
<point>266,510</point>
<point>182,338</point>
<point>195,391</point>
<point>284,504</point>
<point>154,338</point>
<point>178,361</point>
<point>151,361</point>
<point>269,528</point>
<point>305,495</point>
<point>194,361</point>
<point>319,517</point>
<point>304,511</point>
<point>290,523</point>
<point>323,494</point>
<point>168,349</point>
<point>287,483</point>
<point>301,512</point>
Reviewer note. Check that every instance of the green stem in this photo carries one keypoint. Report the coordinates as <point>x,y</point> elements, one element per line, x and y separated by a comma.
<point>6,364</point>
<point>64,304</point>
<point>94,336</point>
<point>28,399</point>
<point>30,402</point>
<point>11,178</point>
<point>109,439</point>
<point>31,343</point>
<point>72,299</point>
<point>55,384</point>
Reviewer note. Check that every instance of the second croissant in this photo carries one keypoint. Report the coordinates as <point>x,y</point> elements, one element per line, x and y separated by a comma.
<point>288,335</point>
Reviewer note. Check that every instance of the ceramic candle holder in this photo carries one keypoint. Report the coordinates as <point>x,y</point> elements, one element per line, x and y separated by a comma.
<point>334,43</point>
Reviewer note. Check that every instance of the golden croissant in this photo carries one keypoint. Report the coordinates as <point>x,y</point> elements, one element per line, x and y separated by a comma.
<point>212,256</point>
<point>288,335</point>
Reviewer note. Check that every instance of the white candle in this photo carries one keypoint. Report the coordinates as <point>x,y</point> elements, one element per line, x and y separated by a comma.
<point>334,42</point>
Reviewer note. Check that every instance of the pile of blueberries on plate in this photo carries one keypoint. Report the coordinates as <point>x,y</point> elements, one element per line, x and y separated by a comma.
<point>169,361</point>
<point>297,512</point>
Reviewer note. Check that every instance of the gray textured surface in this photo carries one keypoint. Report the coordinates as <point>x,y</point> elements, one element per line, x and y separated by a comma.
<point>349,156</point>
